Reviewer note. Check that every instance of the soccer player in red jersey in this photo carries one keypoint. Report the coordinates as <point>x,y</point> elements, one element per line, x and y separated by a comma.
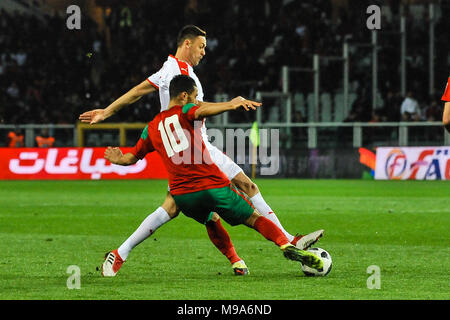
<point>446,113</point>
<point>191,49</point>
<point>198,186</point>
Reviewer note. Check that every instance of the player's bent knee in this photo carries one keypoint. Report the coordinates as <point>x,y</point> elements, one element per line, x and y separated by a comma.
<point>172,211</point>
<point>215,217</point>
<point>245,184</point>
<point>251,189</point>
<point>170,206</point>
<point>250,222</point>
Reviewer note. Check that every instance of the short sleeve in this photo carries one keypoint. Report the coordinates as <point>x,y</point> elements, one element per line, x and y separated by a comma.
<point>155,79</point>
<point>167,76</point>
<point>189,111</point>
<point>143,146</point>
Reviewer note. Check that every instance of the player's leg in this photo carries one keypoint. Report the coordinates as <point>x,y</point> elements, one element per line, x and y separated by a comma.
<point>199,206</point>
<point>114,259</point>
<point>271,232</point>
<point>167,211</point>
<point>236,209</point>
<point>243,182</point>
<point>240,179</point>
<point>267,229</point>
<point>220,238</point>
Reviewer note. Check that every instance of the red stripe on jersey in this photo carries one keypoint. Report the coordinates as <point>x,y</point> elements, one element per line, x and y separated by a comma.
<point>242,196</point>
<point>153,84</point>
<point>184,69</point>
<point>446,96</point>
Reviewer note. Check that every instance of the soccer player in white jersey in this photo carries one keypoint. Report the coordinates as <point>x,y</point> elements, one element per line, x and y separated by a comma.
<point>191,49</point>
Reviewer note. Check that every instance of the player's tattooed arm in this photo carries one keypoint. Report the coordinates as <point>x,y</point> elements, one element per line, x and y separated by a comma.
<point>133,95</point>
<point>115,155</point>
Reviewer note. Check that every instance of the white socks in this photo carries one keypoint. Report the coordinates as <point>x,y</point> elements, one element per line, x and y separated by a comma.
<point>263,208</point>
<point>160,217</point>
<point>145,230</point>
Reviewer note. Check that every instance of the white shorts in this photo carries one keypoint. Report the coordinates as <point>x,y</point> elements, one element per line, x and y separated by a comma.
<point>224,162</point>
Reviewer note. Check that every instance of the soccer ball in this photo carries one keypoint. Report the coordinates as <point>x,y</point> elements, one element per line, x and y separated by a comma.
<point>327,263</point>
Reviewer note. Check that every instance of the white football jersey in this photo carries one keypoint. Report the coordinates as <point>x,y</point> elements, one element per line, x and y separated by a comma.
<point>161,79</point>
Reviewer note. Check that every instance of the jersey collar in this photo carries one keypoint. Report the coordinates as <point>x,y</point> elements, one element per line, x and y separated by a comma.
<point>172,56</point>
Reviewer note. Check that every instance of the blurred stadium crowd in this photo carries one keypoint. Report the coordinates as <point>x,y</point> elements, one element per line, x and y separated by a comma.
<point>49,74</point>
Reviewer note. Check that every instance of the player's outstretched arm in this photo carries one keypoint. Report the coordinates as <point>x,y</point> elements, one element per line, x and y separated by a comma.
<point>133,95</point>
<point>446,116</point>
<point>208,109</point>
<point>115,155</point>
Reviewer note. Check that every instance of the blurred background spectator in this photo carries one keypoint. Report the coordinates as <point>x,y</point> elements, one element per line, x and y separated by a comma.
<point>410,108</point>
<point>44,140</point>
<point>15,138</point>
<point>49,74</point>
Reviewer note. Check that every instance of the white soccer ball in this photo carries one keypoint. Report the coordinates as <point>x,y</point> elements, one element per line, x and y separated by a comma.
<point>327,263</point>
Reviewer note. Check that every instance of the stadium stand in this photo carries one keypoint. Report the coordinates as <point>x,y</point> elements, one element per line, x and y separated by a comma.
<point>57,84</point>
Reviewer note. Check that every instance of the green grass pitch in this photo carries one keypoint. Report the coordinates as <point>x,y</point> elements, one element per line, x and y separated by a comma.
<point>401,227</point>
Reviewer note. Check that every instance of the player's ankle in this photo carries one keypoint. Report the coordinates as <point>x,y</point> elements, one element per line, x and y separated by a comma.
<point>286,245</point>
<point>234,259</point>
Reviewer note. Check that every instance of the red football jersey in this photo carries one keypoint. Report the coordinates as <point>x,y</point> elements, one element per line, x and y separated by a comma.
<point>177,137</point>
<point>446,96</point>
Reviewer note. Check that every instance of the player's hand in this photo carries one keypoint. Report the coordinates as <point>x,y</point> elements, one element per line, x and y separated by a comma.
<point>113,155</point>
<point>92,116</point>
<point>245,103</point>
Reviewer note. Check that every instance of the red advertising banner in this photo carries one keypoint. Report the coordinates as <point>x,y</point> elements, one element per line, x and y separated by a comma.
<point>74,164</point>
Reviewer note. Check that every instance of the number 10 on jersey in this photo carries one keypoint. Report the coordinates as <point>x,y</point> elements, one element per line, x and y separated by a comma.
<point>170,143</point>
